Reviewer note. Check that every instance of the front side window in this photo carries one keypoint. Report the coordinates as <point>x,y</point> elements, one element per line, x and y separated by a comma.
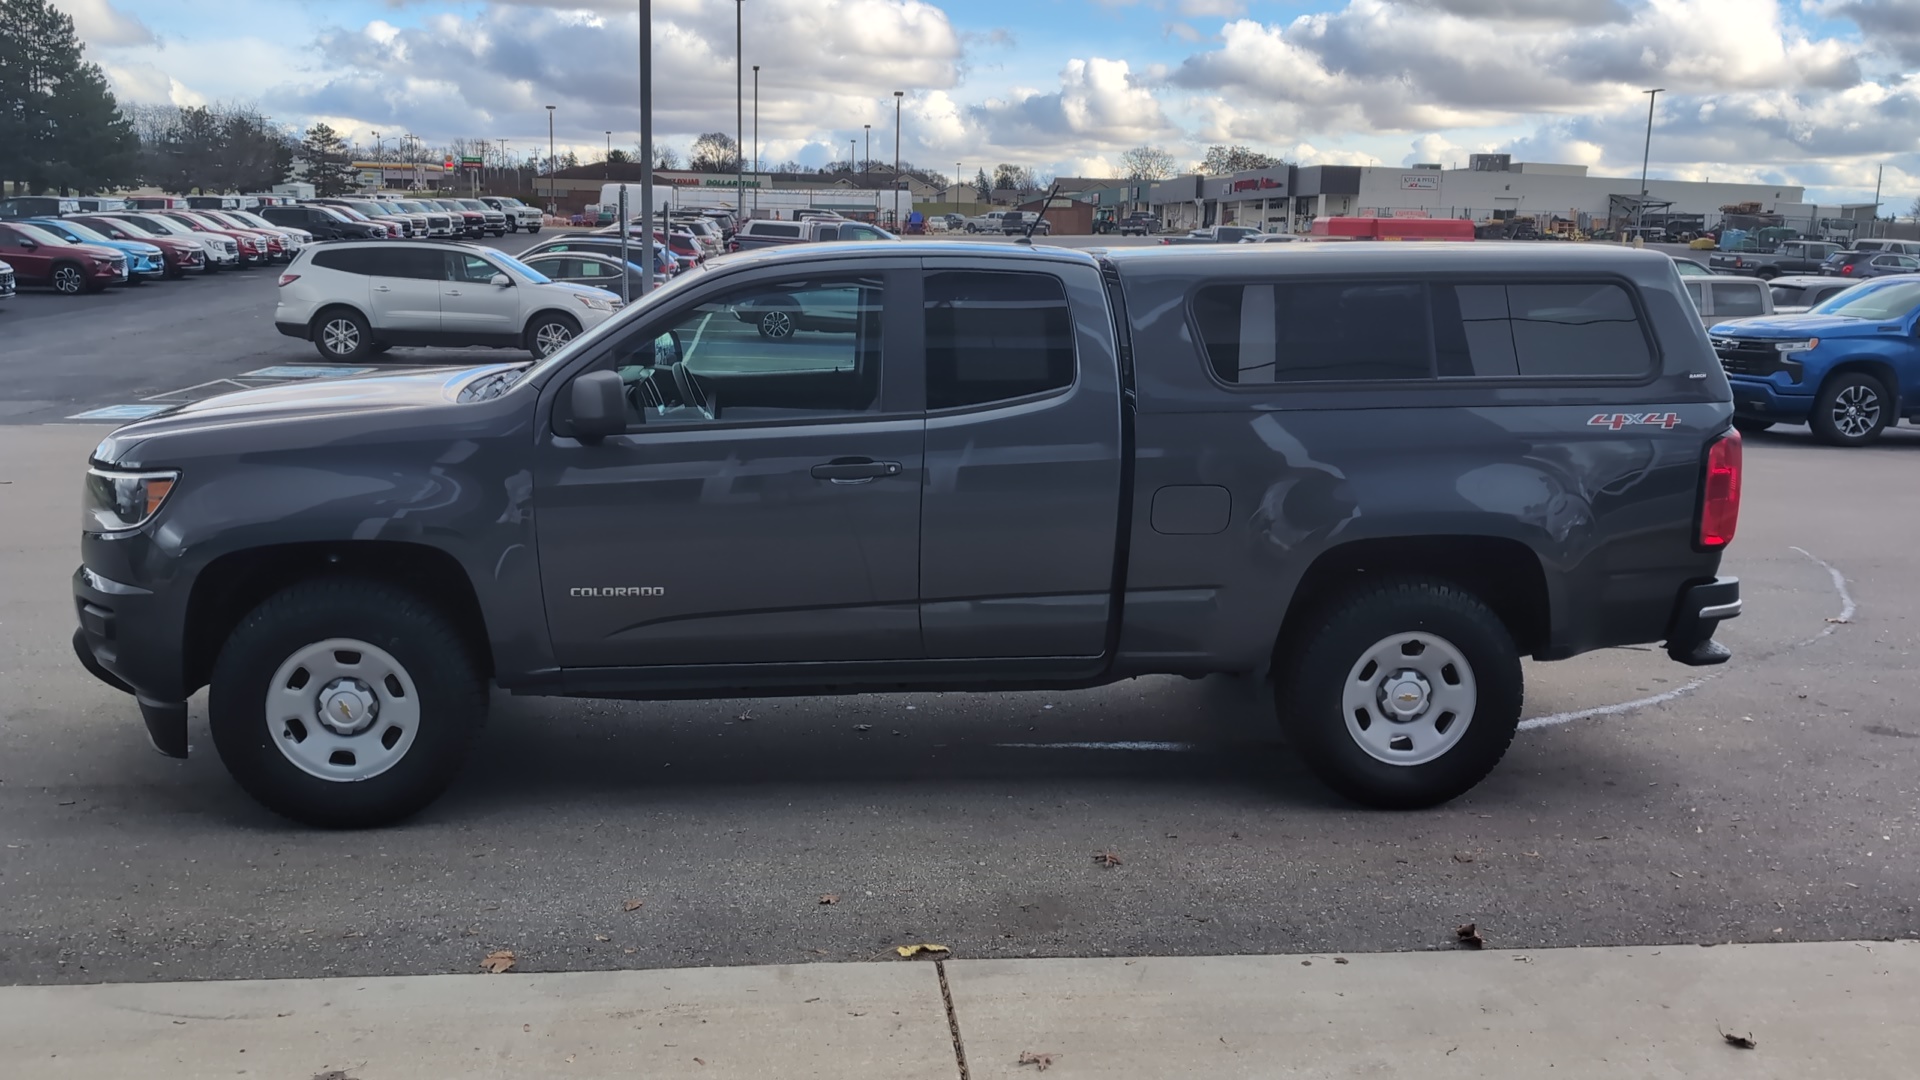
<point>995,336</point>
<point>797,350</point>
<point>1315,331</point>
<point>473,269</point>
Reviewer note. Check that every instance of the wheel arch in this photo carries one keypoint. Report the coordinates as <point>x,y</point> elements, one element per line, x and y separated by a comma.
<point>1882,370</point>
<point>313,324</point>
<point>237,582</point>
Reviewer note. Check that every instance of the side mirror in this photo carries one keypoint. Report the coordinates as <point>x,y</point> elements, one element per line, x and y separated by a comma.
<point>599,401</point>
<point>666,349</point>
<point>500,281</point>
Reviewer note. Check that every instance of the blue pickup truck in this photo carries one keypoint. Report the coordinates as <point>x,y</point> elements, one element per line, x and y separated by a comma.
<point>1848,368</point>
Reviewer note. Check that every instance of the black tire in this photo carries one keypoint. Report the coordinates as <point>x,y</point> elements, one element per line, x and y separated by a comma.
<point>68,279</point>
<point>533,230</point>
<point>1852,409</point>
<point>777,324</point>
<point>451,708</point>
<point>548,332</point>
<point>972,228</point>
<point>342,335</point>
<point>1751,427</point>
<point>1330,646</point>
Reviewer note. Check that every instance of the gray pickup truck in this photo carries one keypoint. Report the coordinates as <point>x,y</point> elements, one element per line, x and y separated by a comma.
<point>1376,474</point>
<point>1792,257</point>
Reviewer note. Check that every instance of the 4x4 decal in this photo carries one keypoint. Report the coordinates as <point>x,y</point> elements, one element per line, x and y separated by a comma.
<point>1616,421</point>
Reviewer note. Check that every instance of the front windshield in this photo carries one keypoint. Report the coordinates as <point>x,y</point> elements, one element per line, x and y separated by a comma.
<point>165,225</point>
<point>475,204</point>
<point>34,232</point>
<point>533,275</point>
<point>333,212</point>
<point>132,229</point>
<point>1892,300</point>
<point>505,200</point>
<point>81,233</point>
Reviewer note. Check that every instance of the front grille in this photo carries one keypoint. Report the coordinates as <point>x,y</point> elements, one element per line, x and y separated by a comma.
<point>1754,359</point>
<point>6,283</point>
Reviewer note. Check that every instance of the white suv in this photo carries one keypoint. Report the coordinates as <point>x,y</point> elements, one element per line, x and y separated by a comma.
<point>356,298</point>
<point>519,214</point>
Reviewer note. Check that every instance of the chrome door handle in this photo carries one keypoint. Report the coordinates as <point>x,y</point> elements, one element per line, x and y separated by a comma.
<point>381,288</point>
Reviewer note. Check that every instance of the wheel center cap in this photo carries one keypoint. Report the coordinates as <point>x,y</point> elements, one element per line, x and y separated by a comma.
<point>347,706</point>
<point>1404,695</point>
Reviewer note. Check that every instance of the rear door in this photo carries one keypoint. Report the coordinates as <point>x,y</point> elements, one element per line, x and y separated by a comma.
<point>405,291</point>
<point>1021,509</point>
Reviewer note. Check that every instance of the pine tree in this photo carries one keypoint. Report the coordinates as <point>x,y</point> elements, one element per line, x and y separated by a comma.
<point>983,185</point>
<point>59,124</point>
<point>328,168</point>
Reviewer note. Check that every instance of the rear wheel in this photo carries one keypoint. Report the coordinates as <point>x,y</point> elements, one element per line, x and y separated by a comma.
<point>1401,695</point>
<point>1852,409</point>
<point>776,325</point>
<point>342,335</point>
<point>345,703</point>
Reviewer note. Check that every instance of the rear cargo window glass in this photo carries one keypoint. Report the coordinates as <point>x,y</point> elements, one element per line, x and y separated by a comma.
<point>773,228</point>
<point>995,336</point>
<point>1542,331</point>
<point>1315,331</point>
<point>1731,299</point>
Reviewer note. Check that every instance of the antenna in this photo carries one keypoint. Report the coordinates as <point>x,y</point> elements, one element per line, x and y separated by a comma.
<point>1042,215</point>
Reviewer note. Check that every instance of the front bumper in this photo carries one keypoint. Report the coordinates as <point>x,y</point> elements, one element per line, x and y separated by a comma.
<point>1700,609</point>
<point>112,614</point>
<point>1762,399</point>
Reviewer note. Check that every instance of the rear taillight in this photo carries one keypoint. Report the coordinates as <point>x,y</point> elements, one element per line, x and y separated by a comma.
<point>1720,506</point>
<point>288,279</point>
<point>1847,269</point>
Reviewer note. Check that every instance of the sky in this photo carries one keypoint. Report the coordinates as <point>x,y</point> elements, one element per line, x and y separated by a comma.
<point>1819,93</point>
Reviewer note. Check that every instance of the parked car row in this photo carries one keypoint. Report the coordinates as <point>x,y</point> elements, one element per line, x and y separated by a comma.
<point>88,251</point>
<point>1864,259</point>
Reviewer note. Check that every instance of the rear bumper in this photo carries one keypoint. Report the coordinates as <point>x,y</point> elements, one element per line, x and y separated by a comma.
<point>293,330</point>
<point>1699,610</point>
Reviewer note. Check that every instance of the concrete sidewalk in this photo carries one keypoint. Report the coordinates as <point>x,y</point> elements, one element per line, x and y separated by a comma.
<point>1830,1010</point>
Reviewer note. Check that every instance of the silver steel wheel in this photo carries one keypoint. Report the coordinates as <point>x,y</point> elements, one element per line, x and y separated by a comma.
<point>67,279</point>
<point>342,710</point>
<point>1856,411</point>
<point>548,338</point>
<point>777,325</point>
<point>1409,699</point>
<point>340,336</point>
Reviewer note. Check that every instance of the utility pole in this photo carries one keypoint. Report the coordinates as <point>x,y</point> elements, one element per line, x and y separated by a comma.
<point>853,147</point>
<point>898,95</point>
<point>739,111</point>
<point>646,142</point>
<point>756,139</point>
<point>1646,154</point>
<point>1877,177</point>
<point>550,161</point>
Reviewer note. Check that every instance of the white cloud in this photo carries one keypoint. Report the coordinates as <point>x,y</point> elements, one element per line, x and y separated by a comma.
<point>100,22</point>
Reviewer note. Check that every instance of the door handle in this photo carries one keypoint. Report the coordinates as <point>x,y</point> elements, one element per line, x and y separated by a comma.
<point>382,288</point>
<point>855,470</point>
<point>453,292</point>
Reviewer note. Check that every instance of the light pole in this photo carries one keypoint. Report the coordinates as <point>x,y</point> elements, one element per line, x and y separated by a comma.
<point>646,142</point>
<point>898,96</point>
<point>957,174</point>
<point>866,166</point>
<point>550,159</point>
<point>1877,177</point>
<point>608,169</point>
<point>756,138</point>
<point>1646,154</point>
<point>739,110</point>
<point>853,147</point>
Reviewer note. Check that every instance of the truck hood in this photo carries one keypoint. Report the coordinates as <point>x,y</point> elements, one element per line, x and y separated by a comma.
<point>1795,326</point>
<point>308,399</point>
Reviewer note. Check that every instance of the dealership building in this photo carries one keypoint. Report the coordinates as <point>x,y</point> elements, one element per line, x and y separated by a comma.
<point>1288,198</point>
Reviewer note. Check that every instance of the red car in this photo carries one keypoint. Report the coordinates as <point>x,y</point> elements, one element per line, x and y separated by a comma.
<point>41,258</point>
<point>255,246</point>
<point>181,254</point>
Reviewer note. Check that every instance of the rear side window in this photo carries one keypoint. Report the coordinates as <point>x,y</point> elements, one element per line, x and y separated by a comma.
<point>345,260</point>
<point>1569,330</point>
<point>1316,331</point>
<point>1733,299</point>
<point>995,336</point>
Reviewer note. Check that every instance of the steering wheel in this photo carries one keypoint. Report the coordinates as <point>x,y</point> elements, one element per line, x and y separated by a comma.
<point>691,395</point>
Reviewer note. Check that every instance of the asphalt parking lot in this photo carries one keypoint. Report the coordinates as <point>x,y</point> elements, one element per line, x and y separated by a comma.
<point>1776,798</point>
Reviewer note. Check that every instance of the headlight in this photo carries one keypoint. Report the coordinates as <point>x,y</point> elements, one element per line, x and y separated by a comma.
<point>118,501</point>
<point>1797,346</point>
<point>594,302</point>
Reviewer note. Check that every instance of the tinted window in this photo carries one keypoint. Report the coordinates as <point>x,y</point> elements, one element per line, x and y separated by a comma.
<point>1565,330</point>
<point>773,228</point>
<point>345,260</point>
<point>1315,331</point>
<point>995,336</point>
<point>1732,299</point>
<point>424,263</point>
<point>799,349</point>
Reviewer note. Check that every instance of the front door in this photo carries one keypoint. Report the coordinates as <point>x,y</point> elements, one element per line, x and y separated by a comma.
<point>471,304</point>
<point>763,505</point>
<point>405,289</point>
<point>30,258</point>
<point>1022,503</point>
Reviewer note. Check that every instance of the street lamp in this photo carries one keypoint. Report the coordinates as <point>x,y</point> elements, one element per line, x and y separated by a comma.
<point>957,174</point>
<point>739,111</point>
<point>898,96</point>
<point>867,164</point>
<point>646,146</point>
<point>756,138</point>
<point>609,162</point>
<point>1646,153</point>
<point>853,147</point>
<point>550,109</point>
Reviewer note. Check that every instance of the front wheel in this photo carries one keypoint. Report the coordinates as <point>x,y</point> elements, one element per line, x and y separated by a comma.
<point>345,703</point>
<point>68,279</point>
<point>776,325</point>
<point>1401,695</point>
<point>1852,409</point>
<point>549,333</point>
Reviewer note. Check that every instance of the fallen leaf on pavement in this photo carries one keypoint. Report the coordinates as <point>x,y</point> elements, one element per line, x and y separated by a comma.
<point>1469,936</point>
<point>1744,1042</point>
<point>497,961</point>
<point>633,905</point>
<point>863,727</point>
<point>569,1059</point>
<point>1840,622</point>
<point>602,937</point>
<point>700,1063</point>
<point>830,898</point>
<point>916,950</point>
<point>1038,1061</point>
<point>1339,959</point>
<point>1106,858</point>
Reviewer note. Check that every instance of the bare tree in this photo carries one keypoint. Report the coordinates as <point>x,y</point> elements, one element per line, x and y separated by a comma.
<point>666,157</point>
<point>1914,210</point>
<point>1221,160</point>
<point>1147,163</point>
